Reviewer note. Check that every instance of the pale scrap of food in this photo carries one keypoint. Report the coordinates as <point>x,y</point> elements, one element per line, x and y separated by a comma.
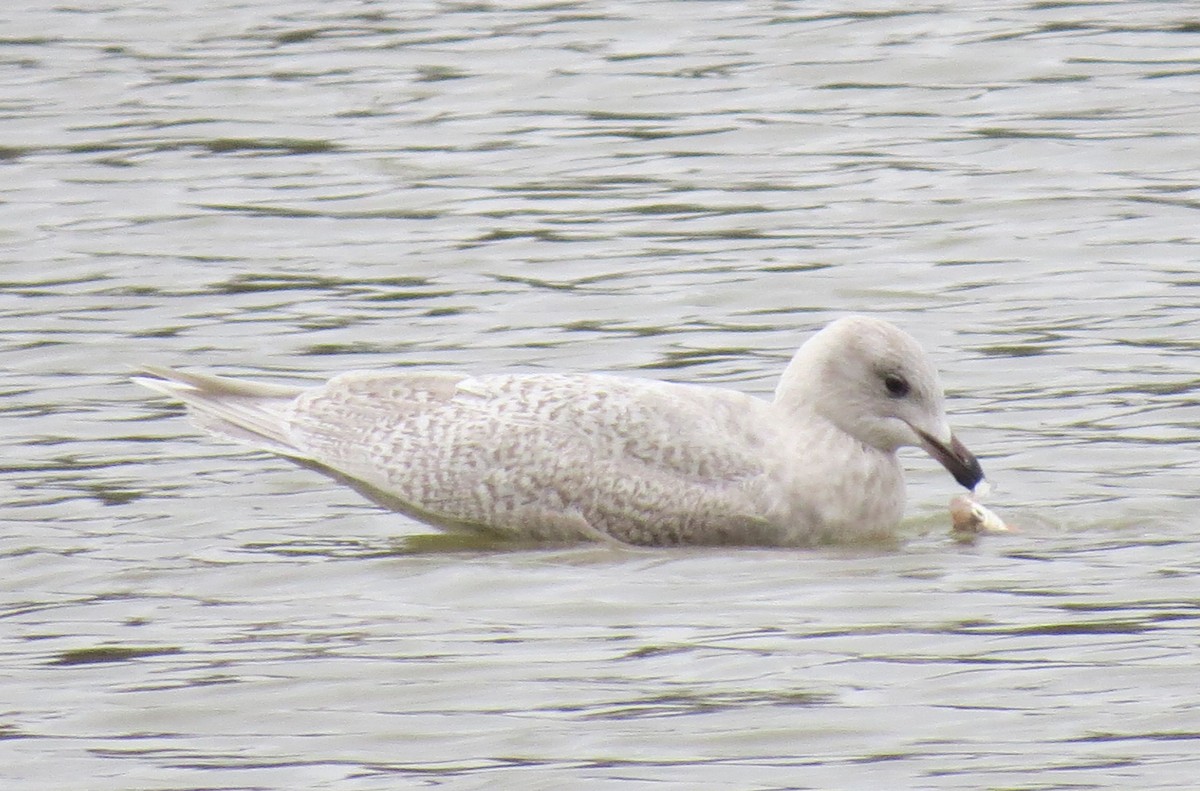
<point>969,519</point>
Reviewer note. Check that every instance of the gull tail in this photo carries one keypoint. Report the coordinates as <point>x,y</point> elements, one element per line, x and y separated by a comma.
<point>249,413</point>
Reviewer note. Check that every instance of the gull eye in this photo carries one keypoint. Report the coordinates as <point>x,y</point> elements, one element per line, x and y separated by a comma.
<point>897,385</point>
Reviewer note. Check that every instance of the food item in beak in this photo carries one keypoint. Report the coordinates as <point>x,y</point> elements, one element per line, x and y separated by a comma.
<point>971,519</point>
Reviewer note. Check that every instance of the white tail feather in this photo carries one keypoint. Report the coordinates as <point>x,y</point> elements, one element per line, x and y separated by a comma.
<point>249,413</point>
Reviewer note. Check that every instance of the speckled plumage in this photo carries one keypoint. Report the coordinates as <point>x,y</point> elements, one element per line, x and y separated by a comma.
<point>557,457</point>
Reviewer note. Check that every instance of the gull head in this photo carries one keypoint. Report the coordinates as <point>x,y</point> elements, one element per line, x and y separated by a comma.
<point>873,381</point>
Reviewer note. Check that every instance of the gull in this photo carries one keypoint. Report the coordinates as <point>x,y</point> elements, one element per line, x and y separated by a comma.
<point>551,457</point>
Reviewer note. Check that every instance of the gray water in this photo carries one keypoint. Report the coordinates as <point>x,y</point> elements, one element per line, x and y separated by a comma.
<point>683,190</point>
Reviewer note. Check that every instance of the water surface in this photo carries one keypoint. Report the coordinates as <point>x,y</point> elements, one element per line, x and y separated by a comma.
<point>665,189</point>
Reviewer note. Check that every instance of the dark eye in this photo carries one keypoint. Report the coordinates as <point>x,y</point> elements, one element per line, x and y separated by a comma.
<point>897,385</point>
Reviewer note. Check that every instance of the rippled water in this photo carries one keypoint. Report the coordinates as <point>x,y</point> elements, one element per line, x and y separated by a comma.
<point>672,189</point>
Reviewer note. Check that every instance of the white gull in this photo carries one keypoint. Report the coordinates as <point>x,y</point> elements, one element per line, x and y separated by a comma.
<point>563,457</point>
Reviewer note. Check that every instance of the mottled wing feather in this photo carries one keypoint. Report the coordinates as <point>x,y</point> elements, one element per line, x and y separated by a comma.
<point>543,456</point>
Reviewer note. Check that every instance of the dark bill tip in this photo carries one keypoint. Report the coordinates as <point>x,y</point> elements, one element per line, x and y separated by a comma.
<point>959,461</point>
